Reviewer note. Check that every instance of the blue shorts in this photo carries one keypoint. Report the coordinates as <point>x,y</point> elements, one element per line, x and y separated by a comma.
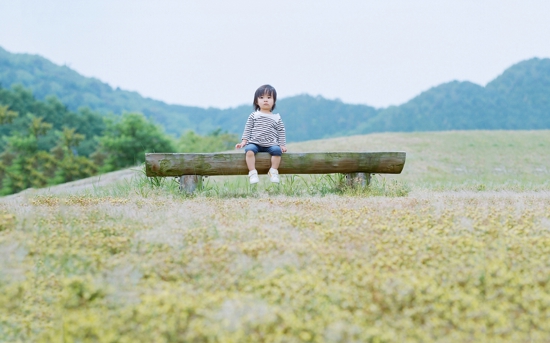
<point>274,150</point>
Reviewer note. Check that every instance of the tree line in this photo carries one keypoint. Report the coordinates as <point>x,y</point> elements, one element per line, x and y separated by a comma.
<point>44,143</point>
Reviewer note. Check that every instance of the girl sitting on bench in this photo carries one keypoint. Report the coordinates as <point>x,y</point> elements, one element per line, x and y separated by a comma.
<point>264,131</point>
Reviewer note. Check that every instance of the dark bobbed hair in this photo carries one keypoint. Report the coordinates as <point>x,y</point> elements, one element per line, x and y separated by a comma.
<point>265,89</point>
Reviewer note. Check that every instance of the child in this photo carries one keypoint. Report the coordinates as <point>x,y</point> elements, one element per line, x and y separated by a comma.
<point>264,132</point>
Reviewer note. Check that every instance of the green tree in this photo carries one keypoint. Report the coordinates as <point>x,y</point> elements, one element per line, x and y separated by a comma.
<point>52,111</point>
<point>41,168</point>
<point>7,116</point>
<point>70,166</point>
<point>70,139</point>
<point>128,138</point>
<point>22,173</point>
<point>38,127</point>
<point>213,142</point>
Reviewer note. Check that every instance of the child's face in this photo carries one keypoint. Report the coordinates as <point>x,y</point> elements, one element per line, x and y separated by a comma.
<point>265,102</point>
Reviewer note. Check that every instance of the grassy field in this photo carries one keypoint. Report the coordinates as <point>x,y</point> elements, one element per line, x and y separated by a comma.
<point>461,160</point>
<point>436,254</point>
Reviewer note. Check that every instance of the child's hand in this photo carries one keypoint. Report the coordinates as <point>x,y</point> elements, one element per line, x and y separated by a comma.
<point>283,148</point>
<point>240,145</point>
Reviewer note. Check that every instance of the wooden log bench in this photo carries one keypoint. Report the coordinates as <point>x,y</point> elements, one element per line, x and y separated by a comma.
<point>191,167</point>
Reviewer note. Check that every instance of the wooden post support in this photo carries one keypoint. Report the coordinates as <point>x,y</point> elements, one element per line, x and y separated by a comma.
<point>358,179</point>
<point>189,183</point>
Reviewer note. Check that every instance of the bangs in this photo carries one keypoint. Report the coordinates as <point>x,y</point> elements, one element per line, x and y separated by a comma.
<point>266,89</point>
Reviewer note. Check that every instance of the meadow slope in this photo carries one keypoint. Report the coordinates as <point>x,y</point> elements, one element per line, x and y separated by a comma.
<point>458,160</point>
<point>426,256</point>
<point>450,160</point>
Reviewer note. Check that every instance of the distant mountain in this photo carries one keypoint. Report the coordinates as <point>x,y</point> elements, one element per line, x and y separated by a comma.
<point>517,99</point>
<point>307,116</point>
<point>522,94</point>
<point>74,90</point>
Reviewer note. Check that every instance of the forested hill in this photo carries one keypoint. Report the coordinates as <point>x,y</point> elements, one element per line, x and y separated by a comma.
<point>307,117</point>
<point>517,99</point>
<point>45,78</point>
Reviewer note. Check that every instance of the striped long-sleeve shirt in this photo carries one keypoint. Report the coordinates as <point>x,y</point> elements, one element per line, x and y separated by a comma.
<point>265,129</point>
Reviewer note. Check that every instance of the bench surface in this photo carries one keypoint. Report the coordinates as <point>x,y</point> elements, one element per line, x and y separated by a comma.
<point>178,164</point>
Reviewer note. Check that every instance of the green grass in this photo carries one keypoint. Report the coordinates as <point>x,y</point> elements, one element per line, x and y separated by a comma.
<point>427,267</point>
<point>239,187</point>
<point>458,160</point>
<point>432,255</point>
<point>440,161</point>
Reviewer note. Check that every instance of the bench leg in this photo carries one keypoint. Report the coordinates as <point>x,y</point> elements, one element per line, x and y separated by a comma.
<point>358,179</point>
<point>188,183</point>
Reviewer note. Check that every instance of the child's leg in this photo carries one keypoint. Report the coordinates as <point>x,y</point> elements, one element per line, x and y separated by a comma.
<point>273,172</point>
<point>275,161</point>
<point>250,160</point>
<point>250,155</point>
<point>275,152</point>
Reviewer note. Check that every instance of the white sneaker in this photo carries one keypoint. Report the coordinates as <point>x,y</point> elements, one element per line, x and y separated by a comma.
<point>273,175</point>
<point>253,176</point>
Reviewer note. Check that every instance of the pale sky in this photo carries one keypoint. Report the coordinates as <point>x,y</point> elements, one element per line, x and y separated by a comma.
<point>216,53</point>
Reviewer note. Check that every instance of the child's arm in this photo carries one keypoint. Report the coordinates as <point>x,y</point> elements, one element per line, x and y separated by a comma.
<point>241,144</point>
<point>247,132</point>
